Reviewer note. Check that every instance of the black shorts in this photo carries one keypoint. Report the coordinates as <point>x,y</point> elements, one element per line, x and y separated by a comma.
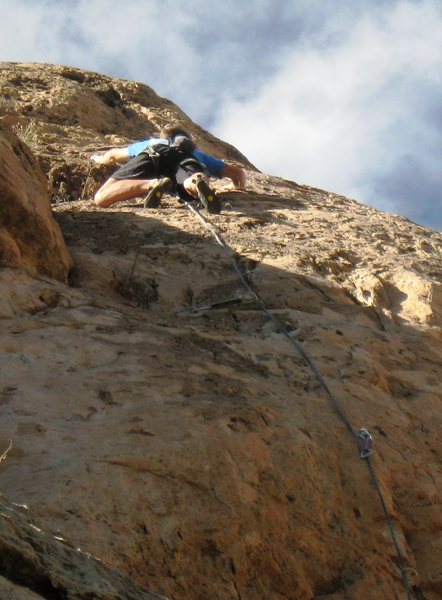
<point>143,166</point>
<point>187,168</point>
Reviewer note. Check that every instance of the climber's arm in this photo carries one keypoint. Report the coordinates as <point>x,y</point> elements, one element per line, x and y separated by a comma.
<point>236,174</point>
<point>112,156</point>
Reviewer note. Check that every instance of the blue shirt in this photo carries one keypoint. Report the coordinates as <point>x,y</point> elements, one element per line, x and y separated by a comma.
<point>213,165</point>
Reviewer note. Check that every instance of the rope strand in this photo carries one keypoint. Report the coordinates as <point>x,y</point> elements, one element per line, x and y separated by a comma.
<point>309,362</point>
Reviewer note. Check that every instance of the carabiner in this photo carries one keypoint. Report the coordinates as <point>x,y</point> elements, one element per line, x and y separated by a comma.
<point>365,440</point>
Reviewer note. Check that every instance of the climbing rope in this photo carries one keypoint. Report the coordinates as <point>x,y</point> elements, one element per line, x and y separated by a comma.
<point>363,438</point>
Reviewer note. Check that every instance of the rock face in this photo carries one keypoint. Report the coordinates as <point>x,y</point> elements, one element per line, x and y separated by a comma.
<point>29,236</point>
<point>30,555</point>
<point>171,422</point>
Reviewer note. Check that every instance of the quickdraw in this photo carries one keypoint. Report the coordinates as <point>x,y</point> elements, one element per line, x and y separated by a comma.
<point>365,440</point>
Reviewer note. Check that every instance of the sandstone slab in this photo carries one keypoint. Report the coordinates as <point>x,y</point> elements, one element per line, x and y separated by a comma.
<point>162,422</point>
<point>29,236</point>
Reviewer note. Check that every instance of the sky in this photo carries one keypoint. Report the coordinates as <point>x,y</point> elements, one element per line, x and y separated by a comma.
<point>344,95</point>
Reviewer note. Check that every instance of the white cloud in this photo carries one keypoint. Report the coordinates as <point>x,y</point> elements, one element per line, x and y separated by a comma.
<point>341,115</point>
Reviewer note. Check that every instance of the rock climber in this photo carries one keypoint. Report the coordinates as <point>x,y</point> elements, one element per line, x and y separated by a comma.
<point>155,166</point>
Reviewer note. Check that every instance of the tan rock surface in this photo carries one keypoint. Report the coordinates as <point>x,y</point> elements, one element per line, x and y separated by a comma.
<point>53,569</point>
<point>29,236</point>
<point>191,448</point>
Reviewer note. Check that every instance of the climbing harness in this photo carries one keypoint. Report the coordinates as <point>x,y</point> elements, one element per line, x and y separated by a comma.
<point>167,157</point>
<point>154,155</point>
<point>363,438</point>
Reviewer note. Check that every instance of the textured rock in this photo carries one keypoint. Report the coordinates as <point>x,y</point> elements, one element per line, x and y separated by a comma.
<point>65,115</point>
<point>29,237</point>
<point>161,421</point>
<point>42,565</point>
<point>11,591</point>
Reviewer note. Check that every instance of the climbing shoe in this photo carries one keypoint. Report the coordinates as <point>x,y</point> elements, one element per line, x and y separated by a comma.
<point>210,200</point>
<point>153,197</point>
